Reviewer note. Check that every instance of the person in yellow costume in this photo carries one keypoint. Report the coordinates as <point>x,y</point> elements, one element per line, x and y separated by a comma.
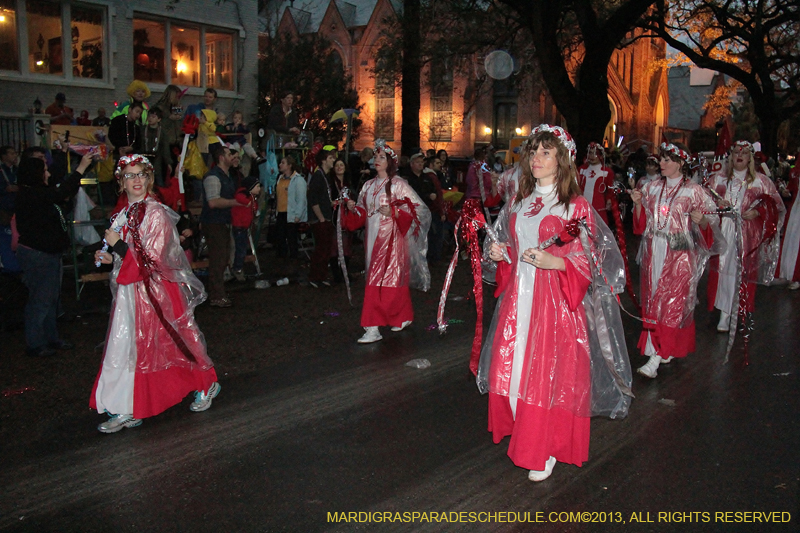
<point>139,92</point>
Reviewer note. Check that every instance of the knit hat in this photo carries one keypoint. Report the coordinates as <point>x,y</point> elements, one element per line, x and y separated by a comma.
<point>249,183</point>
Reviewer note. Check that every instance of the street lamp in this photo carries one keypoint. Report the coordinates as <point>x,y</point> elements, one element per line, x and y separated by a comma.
<point>487,130</point>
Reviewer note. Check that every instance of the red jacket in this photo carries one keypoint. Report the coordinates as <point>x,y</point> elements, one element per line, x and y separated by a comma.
<point>242,215</point>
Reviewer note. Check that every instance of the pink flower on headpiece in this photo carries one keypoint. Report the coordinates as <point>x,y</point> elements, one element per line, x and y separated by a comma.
<point>133,159</point>
<point>561,134</point>
<point>671,148</point>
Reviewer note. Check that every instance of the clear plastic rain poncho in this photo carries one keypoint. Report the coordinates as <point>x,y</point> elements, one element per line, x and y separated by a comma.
<point>574,354</point>
<point>158,315</point>
<point>758,239</point>
<point>395,260</point>
<point>673,252</point>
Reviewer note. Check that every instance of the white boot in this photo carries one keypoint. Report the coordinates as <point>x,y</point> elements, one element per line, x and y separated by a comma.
<point>650,369</point>
<point>372,335</point>
<point>667,360</point>
<point>541,475</point>
<point>724,322</point>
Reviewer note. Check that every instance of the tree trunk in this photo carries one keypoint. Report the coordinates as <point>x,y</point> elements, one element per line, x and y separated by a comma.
<point>768,122</point>
<point>410,85</point>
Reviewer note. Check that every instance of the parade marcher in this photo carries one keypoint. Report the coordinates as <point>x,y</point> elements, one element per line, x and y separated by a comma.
<point>789,266</point>
<point>546,365</point>
<point>395,243</point>
<point>596,180</point>
<point>677,240</point>
<point>752,252</point>
<point>154,354</point>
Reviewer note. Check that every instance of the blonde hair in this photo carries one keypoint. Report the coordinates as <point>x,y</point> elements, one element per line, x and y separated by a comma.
<point>751,168</point>
<point>150,178</point>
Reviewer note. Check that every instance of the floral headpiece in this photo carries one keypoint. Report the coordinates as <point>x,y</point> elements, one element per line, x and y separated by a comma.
<point>671,148</point>
<point>652,160</point>
<point>133,159</point>
<point>744,144</point>
<point>381,146</point>
<point>593,146</point>
<point>561,134</point>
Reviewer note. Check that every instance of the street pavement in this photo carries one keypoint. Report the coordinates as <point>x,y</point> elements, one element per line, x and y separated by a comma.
<point>345,428</point>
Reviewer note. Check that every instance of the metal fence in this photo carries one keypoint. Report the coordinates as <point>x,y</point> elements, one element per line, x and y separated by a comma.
<point>19,129</point>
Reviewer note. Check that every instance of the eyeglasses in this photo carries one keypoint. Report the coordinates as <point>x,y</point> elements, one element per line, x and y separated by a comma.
<point>132,175</point>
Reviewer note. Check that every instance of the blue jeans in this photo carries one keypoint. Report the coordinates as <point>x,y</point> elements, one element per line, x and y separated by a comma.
<point>42,273</point>
<point>241,241</point>
<point>7,255</point>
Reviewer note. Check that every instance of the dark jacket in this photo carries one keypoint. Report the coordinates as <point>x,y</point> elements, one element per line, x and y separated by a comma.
<point>42,214</point>
<point>123,133</point>
<point>281,122</point>
<point>211,215</point>
<point>319,194</point>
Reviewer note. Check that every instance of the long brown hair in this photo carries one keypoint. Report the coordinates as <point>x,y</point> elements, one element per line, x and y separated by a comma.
<point>566,173</point>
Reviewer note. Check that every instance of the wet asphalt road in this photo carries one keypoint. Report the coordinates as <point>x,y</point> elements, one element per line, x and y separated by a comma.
<point>335,427</point>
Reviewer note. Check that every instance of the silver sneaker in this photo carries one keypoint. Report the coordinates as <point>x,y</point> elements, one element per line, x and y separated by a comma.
<point>118,422</point>
<point>371,335</point>
<point>202,400</point>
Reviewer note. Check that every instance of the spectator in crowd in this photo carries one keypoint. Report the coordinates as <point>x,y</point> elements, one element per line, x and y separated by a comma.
<point>154,352</point>
<point>320,215</point>
<point>218,198</point>
<point>124,130</point>
<point>242,216</point>
<point>171,115</point>
<point>209,102</point>
<point>59,113</point>
<point>236,165</point>
<point>83,119</point>
<point>138,91</point>
<point>236,127</point>
<point>43,238</point>
<point>432,174</point>
<point>428,188</point>
<point>283,117</point>
<point>154,146</point>
<point>292,209</point>
<point>101,120</point>
<point>361,169</point>
<point>653,172</point>
<point>447,169</point>
<point>8,195</point>
<point>207,133</point>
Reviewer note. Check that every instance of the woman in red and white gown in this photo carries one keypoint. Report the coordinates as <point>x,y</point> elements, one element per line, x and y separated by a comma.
<point>789,265</point>
<point>752,253</point>
<point>395,242</point>
<point>677,236</point>
<point>155,354</point>
<point>540,372</point>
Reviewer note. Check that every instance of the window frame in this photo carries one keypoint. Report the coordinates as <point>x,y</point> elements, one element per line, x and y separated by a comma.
<point>24,73</point>
<point>202,28</point>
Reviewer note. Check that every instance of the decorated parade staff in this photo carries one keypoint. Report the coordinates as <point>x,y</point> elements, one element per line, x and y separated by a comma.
<point>674,217</point>
<point>397,223</point>
<point>546,364</point>
<point>596,180</point>
<point>756,212</point>
<point>154,354</point>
